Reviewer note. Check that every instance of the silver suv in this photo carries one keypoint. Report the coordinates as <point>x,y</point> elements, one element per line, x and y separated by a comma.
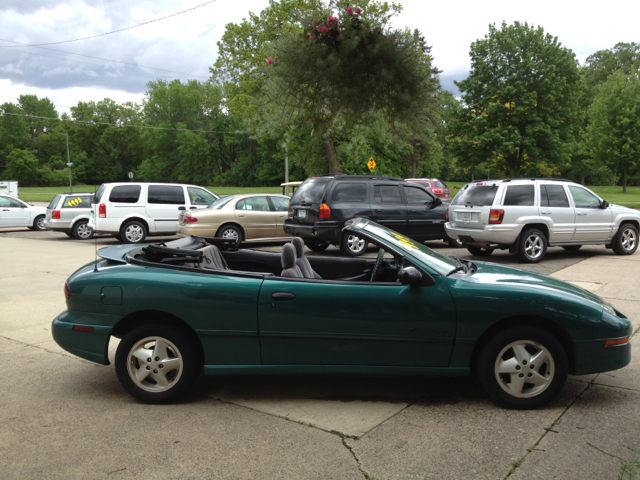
<point>69,213</point>
<point>527,215</point>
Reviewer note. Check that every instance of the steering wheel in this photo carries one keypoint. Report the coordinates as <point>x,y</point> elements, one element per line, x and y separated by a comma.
<point>376,267</point>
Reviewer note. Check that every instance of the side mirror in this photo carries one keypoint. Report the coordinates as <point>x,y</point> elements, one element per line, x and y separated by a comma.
<point>413,277</point>
<point>437,202</point>
<point>604,204</point>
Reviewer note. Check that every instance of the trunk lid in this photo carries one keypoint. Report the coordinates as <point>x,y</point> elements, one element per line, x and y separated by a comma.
<point>306,201</point>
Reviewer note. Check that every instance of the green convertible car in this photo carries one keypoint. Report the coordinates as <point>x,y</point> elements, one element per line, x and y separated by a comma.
<point>199,303</point>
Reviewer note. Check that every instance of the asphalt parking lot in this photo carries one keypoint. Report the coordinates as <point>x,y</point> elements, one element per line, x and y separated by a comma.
<point>63,417</point>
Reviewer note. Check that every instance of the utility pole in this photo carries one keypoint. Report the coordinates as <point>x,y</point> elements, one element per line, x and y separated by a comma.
<point>286,166</point>
<point>66,135</point>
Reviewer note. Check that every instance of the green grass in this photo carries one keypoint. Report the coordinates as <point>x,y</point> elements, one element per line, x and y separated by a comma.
<point>613,194</point>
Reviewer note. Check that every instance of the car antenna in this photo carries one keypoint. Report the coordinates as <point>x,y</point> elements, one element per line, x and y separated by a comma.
<point>95,265</point>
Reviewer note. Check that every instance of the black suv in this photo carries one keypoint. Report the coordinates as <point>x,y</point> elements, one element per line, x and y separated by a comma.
<point>321,205</point>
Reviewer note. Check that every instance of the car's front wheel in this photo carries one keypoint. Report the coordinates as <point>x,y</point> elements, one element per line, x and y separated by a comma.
<point>533,246</point>
<point>133,232</point>
<point>156,364</point>
<point>317,246</point>
<point>353,245</point>
<point>38,224</point>
<point>626,240</point>
<point>81,231</point>
<point>522,367</point>
<point>479,251</point>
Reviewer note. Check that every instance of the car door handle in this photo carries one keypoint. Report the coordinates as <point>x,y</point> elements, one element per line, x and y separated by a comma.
<point>412,211</point>
<point>240,215</point>
<point>545,212</point>
<point>378,210</point>
<point>5,209</point>
<point>283,296</point>
<point>581,213</point>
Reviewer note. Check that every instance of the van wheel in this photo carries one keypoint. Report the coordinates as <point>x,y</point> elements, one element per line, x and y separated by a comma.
<point>133,232</point>
<point>81,231</point>
<point>353,245</point>
<point>533,246</point>
<point>626,240</point>
<point>479,251</point>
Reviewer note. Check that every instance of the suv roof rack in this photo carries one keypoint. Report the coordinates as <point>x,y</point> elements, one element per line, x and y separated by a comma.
<point>524,179</point>
<point>340,176</point>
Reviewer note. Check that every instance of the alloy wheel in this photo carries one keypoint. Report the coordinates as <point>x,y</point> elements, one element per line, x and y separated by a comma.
<point>628,239</point>
<point>230,233</point>
<point>534,246</point>
<point>84,232</point>
<point>355,244</point>
<point>524,369</point>
<point>134,233</point>
<point>40,223</point>
<point>154,364</point>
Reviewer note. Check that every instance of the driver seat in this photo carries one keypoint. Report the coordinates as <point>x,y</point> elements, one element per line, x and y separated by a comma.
<point>288,260</point>
<point>302,262</point>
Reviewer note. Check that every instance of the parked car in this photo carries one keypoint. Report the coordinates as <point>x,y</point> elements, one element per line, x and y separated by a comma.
<point>528,215</point>
<point>16,213</point>
<point>69,213</point>
<point>435,186</point>
<point>244,218</point>
<point>196,303</point>
<point>131,211</point>
<point>321,206</point>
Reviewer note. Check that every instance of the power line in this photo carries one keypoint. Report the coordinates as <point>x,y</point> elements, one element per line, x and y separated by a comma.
<point>22,45</point>
<point>120,125</point>
<point>114,31</point>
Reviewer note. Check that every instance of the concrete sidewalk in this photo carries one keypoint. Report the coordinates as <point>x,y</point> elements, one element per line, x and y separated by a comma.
<point>63,417</point>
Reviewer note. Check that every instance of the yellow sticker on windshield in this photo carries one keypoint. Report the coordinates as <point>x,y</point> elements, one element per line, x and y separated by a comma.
<point>74,202</point>
<point>404,240</point>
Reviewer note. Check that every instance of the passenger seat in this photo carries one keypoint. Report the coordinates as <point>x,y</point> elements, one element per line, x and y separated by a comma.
<point>302,262</point>
<point>288,259</point>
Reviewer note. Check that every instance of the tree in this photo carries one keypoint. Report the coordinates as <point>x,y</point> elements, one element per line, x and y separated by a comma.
<point>598,66</point>
<point>22,166</point>
<point>343,72</point>
<point>614,131</point>
<point>519,101</point>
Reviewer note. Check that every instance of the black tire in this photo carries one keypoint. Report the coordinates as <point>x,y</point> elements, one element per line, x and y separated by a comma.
<point>352,245</point>
<point>503,388</point>
<point>479,251</point>
<point>454,243</point>
<point>572,248</point>
<point>180,352</point>
<point>317,246</point>
<point>118,237</point>
<point>133,232</point>
<point>532,246</point>
<point>38,224</point>
<point>626,240</point>
<point>230,231</point>
<point>69,234</point>
<point>81,231</point>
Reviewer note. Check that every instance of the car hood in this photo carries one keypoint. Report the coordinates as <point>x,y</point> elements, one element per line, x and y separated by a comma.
<point>621,209</point>
<point>116,253</point>
<point>500,275</point>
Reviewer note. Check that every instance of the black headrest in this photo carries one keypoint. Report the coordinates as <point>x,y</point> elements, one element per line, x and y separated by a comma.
<point>299,244</point>
<point>288,257</point>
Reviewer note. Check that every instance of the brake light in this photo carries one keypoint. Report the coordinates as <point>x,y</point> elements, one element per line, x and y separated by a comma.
<point>82,328</point>
<point>446,215</point>
<point>55,215</point>
<point>479,184</point>
<point>189,219</point>
<point>102,210</point>
<point>437,191</point>
<point>496,216</point>
<point>325,211</point>
<point>67,291</point>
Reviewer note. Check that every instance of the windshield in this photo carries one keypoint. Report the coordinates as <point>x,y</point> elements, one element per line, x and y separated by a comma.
<point>221,202</point>
<point>310,191</point>
<point>478,195</point>
<point>440,263</point>
<point>54,202</point>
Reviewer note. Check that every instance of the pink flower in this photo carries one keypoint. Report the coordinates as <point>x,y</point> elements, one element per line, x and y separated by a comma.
<point>269,61</point>
<point>330,24</point>
<point>359,11</point>
<point>350,10</point>
<point>332,19</point>
<point>311,37</point>
<point>322,29</point>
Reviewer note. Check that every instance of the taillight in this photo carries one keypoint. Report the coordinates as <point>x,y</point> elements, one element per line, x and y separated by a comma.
<point>189,219</point>
<point>289,207</point>
<point>82,328</point>
<point>102,210</point>
<point>437,191</point>
<point>325,211</point>
<point>67,291</point>
<point>496,216</point>
<point>55,215</point>
<point>446,215</point>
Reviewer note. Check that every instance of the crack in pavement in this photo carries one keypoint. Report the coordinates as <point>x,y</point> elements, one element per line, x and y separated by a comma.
<point>62,354</point>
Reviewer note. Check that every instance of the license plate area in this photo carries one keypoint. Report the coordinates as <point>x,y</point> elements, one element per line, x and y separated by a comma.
<point>466,217</point>
<point>302,214</point>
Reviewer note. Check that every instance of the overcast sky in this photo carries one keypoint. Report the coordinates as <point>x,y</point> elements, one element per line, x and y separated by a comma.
<point>186,44</point>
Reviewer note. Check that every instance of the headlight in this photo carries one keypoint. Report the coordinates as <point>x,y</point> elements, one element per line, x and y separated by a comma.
<point>609,308</point>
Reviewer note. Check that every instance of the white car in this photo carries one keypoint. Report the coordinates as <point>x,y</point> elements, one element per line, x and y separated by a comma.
<point>527,215</point>
<point>131,211</point>
<point>16,213</point>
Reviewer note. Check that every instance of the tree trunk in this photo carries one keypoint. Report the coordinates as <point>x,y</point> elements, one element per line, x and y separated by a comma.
<point>582,180</point>
<point>624,184</point>
<point>513,173</point>
<point>413,167</point>
<point>330,148</point>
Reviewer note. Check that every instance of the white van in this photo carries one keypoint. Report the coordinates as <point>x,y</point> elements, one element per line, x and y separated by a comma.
<point>131,211</point>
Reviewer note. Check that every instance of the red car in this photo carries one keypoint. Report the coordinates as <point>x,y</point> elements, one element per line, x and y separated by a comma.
<point>435,186</point>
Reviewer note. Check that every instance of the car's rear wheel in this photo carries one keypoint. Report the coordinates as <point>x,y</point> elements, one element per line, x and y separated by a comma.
<point>230,232</point>
<point>454,243</point>
<point>317,246</point>
<point>353,245</point>
<point>626,240</point>
<point>533,246</point>
<point>81,231</point>
<point>38,224</point>
<point>133,232</point>
<point>479,251</point>
<point>522,367</point>
<point>156,364</point>
<point>572,248</point>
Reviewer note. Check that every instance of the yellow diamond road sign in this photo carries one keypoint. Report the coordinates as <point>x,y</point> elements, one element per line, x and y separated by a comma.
<point>371,164</point>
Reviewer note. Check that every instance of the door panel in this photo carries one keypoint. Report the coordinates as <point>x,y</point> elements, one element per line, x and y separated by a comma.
<point>388,207</point>
<point>12,214</point>
<point>332,323</point>
<point>425,219</point>
<point>554,204</point>
<point>256,217</point>
<point>162,206</point>
<point>592,222</point>
<point>281,206</point>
